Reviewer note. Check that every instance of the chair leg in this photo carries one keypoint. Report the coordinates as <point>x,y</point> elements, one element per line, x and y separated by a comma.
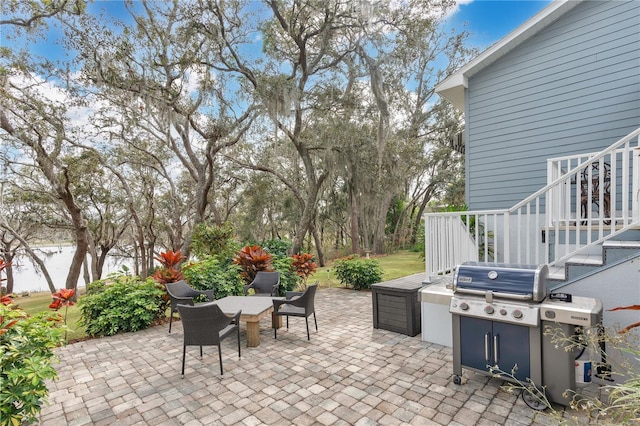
<point>314,320</point>
<point>306,320</point>
<point>239,355</point>
<point>287,322</point>
<point>275,328</point>
<point>200,352</point>
<point>184,351</point>
<point>220,358</point>
<point>170,320</point>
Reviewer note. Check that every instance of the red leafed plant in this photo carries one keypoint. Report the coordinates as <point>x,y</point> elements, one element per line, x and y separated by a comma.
<point>63,297</point>
<point>253,259</point>
<point>304,266</point>
<point>7,299</point>
<point>627,308</point>
<point>170,271</point>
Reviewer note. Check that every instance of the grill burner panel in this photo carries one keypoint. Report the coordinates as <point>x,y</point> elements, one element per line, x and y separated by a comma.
<point>509,312</point>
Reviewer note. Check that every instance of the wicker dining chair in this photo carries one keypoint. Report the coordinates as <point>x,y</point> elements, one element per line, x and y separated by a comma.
<point>206,325</point>
<point>296,305</point>
<point>265,284</point>
<point>181,293</point>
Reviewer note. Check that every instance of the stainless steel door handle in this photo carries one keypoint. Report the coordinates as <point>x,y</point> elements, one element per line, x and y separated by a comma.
<point>487,356</point>
<point>495,349</point>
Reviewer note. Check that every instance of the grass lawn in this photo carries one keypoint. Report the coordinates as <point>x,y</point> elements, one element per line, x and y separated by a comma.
<point>396,265</point>
<point>38,302</point>
<point>399,264</point>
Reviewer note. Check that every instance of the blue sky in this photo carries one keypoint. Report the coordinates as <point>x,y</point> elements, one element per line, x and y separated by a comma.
<point>487,20</point>
<point>490,20</point>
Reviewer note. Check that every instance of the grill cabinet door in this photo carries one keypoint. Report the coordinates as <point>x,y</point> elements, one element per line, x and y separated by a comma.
<point>483,342</point>
<point>513,348</point>
<point>475,334</point>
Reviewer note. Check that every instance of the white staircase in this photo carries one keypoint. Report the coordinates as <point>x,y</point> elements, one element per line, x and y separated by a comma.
<point>602,256</point>
<point>552,226</point>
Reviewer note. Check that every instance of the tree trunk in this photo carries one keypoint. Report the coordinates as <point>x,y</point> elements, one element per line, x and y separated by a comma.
<point>379,232</point>
<point>355,233</point>
<point>9,270</point>
<point>33,256</point>
<point>319,249</point>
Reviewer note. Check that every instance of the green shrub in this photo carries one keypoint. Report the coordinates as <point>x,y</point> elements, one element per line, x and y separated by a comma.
<point>126,305</point>
<point>212,273</point>
<point>358,273</point>
<point>208,240</point>
<point>26,357</point>
<point>288,278</point>
<point>98,286</point>
<point>277,247</point>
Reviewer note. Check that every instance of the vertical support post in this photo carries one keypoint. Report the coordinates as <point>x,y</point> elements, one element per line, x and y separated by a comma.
<point>427,260</point>
<point>507,237</point>
<point>635,186</point>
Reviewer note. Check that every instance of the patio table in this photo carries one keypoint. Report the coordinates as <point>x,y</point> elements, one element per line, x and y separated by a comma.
<point>253,310</point>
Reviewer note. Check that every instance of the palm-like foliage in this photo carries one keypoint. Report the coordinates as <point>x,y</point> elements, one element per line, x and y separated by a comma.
<point>253,259</point>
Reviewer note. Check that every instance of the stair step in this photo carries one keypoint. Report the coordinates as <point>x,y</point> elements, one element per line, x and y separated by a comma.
<point>617,250</point>
<point>585,259</point>
<point>621,244</point>
<point>556,273</point>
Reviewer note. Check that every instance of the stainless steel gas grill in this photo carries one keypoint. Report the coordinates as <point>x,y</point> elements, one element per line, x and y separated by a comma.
<point>497,321</point>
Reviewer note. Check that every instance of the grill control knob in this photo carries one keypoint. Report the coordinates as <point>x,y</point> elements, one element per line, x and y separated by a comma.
<point>489,309</point>
<point>517,314</point>
<point>503,311</point>
<point>464,306</point>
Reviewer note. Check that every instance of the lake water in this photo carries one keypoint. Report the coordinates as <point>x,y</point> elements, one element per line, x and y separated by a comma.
<point>58,260</point>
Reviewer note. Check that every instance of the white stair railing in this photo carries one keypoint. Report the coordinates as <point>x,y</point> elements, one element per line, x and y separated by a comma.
<point>558,221</point>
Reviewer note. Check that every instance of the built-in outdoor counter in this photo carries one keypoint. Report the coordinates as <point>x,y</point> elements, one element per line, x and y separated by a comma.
<point>436,319</point>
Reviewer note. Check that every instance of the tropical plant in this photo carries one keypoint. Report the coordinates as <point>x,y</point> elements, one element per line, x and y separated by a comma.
<point>627,308</point>
<point>303,266</point>
<point>484,239</point>
<point>169,272</point>
<point>63,297</point>
<point>253,259</point>
<point>26,358</point>
<point>358,273</point>
<point>211,273</point>
<point>127,304</point>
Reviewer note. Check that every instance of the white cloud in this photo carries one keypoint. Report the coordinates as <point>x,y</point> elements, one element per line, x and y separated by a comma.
<point>456,8</point>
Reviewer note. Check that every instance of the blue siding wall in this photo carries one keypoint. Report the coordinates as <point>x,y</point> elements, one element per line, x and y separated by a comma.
<point>573,88</point>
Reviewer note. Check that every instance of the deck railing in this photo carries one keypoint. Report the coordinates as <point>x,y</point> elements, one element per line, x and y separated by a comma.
<point>589,198</point>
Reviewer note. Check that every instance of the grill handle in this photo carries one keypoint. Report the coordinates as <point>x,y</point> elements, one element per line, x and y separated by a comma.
<point>487,356</point>
<point>496,344</point>
<point>514,296</point>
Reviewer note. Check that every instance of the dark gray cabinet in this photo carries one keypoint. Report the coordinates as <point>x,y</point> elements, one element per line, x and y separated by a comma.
<point>396,307</point>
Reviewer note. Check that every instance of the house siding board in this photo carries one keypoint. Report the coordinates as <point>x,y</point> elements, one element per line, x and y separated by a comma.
<point>574,87</point>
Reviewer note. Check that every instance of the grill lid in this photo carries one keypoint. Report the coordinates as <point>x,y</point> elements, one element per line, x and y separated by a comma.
<point>502,280</point>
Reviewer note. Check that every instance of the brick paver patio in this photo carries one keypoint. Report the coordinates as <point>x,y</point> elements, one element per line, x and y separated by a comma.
<point>349,374</point>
